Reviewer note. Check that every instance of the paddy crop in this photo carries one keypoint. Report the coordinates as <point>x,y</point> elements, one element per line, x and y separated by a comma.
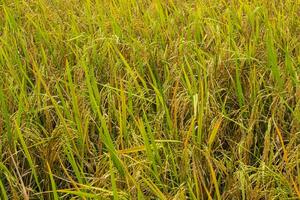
<point>140,99</point>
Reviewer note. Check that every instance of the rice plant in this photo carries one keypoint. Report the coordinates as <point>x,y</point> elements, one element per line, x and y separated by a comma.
<point>140,99</point>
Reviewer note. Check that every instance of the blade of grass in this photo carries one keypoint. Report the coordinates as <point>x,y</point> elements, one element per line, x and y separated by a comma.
<point>53,184</point>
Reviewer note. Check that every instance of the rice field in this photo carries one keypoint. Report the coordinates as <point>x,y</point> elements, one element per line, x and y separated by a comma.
<point>149,99</point>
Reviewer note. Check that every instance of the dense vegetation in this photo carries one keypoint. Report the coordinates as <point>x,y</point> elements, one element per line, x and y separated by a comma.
<point>140,99</point>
